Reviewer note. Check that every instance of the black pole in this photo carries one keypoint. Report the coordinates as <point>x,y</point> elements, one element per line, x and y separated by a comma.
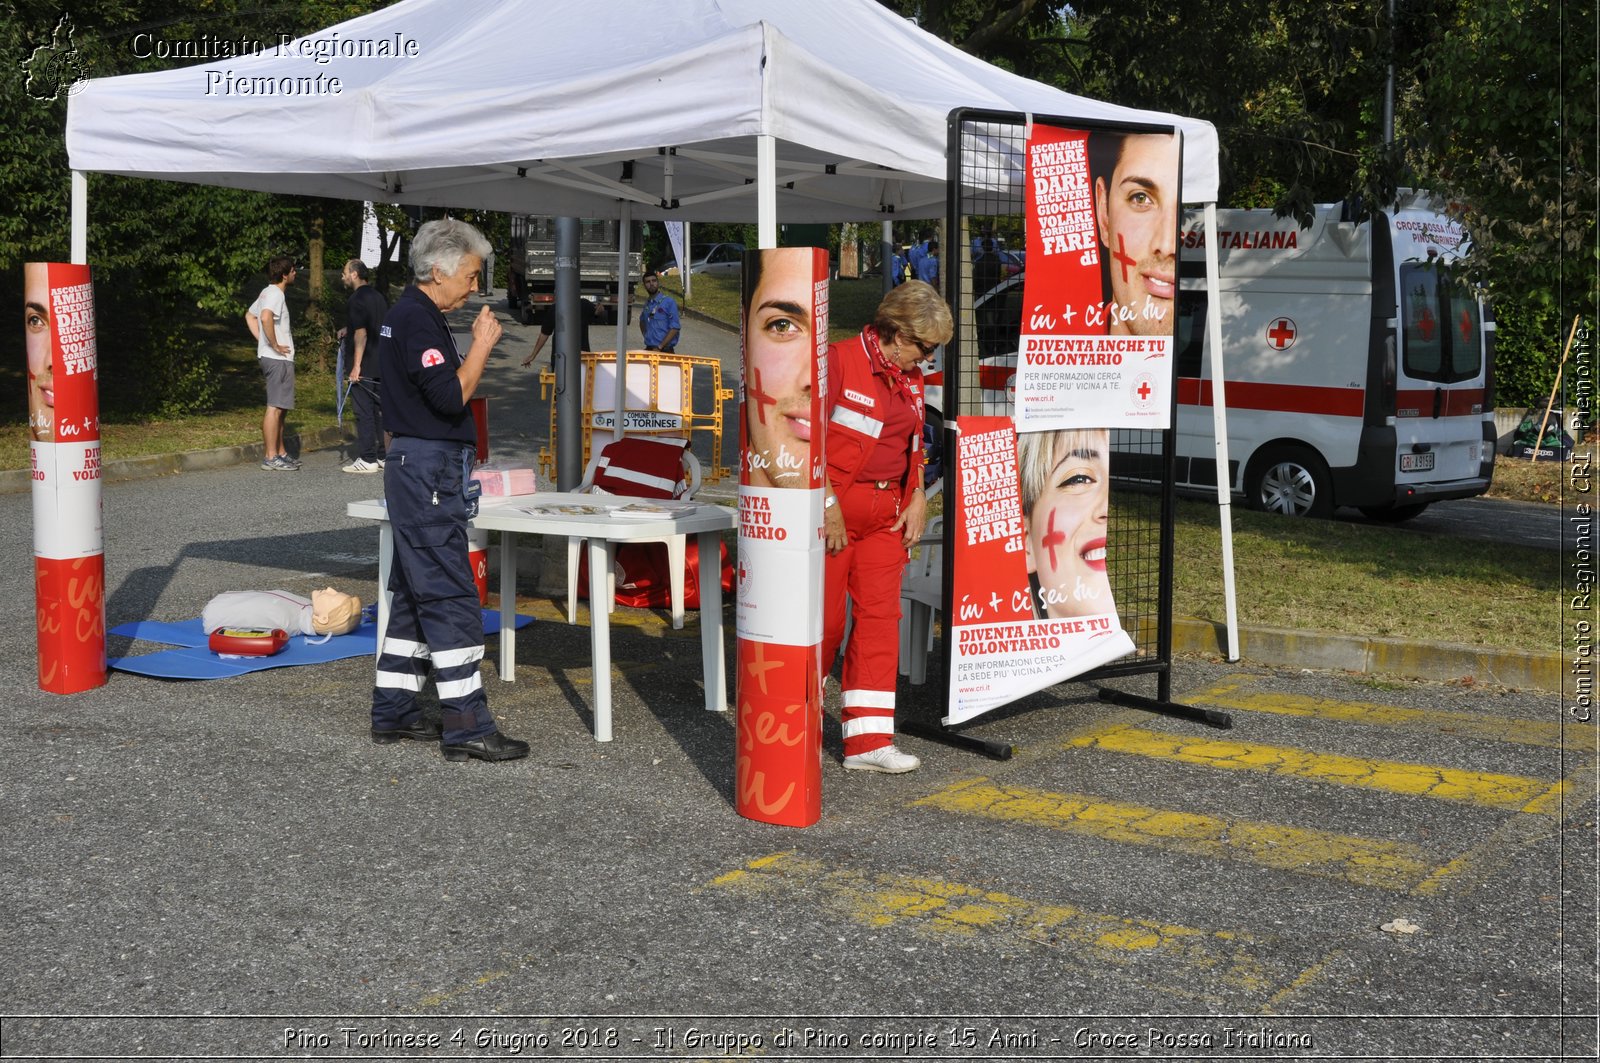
<point>568,339</point>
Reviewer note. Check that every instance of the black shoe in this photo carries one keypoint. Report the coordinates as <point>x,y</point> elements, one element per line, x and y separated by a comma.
<point>492,746</point>
<point>422,730</point>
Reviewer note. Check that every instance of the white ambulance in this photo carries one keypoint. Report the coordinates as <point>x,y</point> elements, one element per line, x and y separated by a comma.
<point>1358,371</point>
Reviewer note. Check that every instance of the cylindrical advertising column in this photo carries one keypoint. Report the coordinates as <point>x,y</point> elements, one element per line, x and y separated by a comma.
<point>778,758</point>
<point>64,443</point>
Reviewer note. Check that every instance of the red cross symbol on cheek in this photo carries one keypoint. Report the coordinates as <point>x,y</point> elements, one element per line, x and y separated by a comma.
<point>1053,538</point>
<point>763,400</point>
<point>1123,258</point>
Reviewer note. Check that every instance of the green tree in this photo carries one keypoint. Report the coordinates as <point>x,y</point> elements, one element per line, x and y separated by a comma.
<point>166,254</point>
<point>1506,131</point>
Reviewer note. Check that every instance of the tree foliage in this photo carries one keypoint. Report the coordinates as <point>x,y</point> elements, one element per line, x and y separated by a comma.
<point>1494,108</point>
<point>165,254</point>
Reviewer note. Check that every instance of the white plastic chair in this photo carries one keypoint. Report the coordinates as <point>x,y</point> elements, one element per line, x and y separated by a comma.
<point>920,595</point>
<point>604,465</point>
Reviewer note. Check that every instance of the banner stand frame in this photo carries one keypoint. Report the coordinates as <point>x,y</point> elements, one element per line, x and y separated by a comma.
<point>956,268</point>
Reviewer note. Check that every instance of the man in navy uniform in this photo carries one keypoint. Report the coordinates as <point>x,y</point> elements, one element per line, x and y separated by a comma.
<point>435,618</point>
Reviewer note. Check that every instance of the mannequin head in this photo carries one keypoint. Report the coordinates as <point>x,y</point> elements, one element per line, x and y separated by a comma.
<point>334,612</point>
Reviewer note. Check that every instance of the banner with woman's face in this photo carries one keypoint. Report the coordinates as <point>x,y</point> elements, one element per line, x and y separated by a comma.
<point>64,430</point>
<point>778,600</point>
<point>1031,601</point>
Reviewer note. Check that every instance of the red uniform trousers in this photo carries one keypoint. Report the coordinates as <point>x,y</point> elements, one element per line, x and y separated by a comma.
<point>869,569</point>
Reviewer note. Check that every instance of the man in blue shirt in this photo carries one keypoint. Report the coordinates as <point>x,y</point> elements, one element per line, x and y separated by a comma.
<point>658,318</point>
<point>928,268</point>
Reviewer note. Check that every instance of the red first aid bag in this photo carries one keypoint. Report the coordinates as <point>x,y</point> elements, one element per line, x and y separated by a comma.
<point>645,582</point>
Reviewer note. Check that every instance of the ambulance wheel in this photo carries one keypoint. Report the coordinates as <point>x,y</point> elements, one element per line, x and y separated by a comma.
<point>1292,481</point>
<point>1393,514</point>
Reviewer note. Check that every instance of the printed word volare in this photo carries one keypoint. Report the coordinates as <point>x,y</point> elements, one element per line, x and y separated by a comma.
<point>320,50</point>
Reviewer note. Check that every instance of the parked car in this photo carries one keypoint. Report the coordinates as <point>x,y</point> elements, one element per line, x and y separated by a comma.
<point>722,259</point>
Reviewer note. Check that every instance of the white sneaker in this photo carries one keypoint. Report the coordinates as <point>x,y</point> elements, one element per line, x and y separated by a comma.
<point>363,465</point>
<point>886,759</point>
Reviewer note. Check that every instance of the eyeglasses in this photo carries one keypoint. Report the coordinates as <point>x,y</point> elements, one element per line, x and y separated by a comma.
<point>927,349</point>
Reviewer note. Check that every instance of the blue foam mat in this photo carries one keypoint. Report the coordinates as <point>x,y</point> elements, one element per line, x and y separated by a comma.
<point>194,660</point>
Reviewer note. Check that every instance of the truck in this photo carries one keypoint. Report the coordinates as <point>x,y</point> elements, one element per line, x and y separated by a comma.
<point>531,286</point>
<point>1358,366</point>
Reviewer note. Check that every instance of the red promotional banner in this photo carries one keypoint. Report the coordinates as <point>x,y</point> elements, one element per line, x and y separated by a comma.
<point>1031,595</point>
<point>778,602</point>
<point>64,446</point>
<point>1099,299</point>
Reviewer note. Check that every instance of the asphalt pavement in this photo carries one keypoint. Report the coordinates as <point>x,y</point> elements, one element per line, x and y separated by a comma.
<point>1360,867</point>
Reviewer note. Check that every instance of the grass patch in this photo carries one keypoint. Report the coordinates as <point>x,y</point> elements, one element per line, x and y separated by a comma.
<point>1521,480</point>
<point>234,419</point>
<point>1365,580</point>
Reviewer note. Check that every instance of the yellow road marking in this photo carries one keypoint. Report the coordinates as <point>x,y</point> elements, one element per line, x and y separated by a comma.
<point>1229,694</point>
<point>955,911</point>
<point>1486,789</point>
<point>1365,861</point>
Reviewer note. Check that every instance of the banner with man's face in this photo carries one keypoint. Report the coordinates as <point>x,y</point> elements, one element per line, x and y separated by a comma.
<point>1100,294</point>
<point>64,445</point>
<point>778,602</point>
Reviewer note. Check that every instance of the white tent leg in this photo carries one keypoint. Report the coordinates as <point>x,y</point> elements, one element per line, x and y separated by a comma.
<point>766,191</point>
<point>80,218</point>
<point>1219,424</point>
<point>624,289</point>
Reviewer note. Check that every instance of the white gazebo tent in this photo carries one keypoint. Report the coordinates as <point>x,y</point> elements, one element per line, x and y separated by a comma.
<point>831,110</point>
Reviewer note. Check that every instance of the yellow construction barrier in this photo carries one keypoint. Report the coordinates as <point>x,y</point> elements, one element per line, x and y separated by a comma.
<point>660,402</point>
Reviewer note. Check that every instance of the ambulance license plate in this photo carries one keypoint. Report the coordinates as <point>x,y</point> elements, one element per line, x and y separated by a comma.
<point>1416,462</point>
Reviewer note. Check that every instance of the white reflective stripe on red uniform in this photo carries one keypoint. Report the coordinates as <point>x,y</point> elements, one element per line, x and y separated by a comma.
<point>868,725</point>
<point>854,419</point>
<point>868,699</point>
<point>643,479</point>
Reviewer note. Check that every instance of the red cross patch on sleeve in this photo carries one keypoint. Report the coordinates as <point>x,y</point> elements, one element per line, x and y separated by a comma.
<point>432,357</point>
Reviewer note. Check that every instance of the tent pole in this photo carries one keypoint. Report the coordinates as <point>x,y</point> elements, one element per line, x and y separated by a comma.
<point>1219,424</point>
<point>886,256</point>
<point>766,191</point>
<point>80,218</point>
<point>624,290</point>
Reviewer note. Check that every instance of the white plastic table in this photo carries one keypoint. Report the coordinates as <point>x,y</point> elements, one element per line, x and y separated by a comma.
<point>511,516</point>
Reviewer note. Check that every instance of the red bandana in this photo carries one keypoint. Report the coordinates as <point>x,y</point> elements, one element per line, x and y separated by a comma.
<point>899,379</point>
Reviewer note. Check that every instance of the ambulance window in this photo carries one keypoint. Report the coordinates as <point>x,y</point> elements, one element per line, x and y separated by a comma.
<point>1466,340</point>
<point>1443,325</point>
<point>1419,309</point>
<point>1191,338</point>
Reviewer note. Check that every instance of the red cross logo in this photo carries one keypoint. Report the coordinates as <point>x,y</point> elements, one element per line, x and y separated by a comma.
<point>761,666</point>
<point>1053,538</point>
<point>1466,327</point>
<point>1425,325</point>
<point>763,400</point>
<point>1123,258</point>
<point>1143,391</point>
<point>1282,334</point>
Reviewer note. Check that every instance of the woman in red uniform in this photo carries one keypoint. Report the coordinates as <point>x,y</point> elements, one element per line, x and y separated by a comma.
<point>874,509</point>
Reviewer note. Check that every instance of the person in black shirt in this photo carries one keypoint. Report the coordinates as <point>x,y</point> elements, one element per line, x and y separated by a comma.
<point>434,617</point>
<point>367,308</point>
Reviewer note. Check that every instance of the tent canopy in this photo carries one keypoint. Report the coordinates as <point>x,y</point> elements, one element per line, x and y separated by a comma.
<point>561,107</point>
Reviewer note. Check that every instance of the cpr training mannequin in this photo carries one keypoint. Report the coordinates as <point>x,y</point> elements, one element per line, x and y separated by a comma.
<point>326,612</point>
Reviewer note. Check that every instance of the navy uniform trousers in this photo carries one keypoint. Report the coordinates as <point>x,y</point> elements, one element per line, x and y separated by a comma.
<point>434,618</point>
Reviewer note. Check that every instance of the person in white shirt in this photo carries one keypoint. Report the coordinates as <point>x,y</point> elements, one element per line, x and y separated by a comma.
<point>268,318</point>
